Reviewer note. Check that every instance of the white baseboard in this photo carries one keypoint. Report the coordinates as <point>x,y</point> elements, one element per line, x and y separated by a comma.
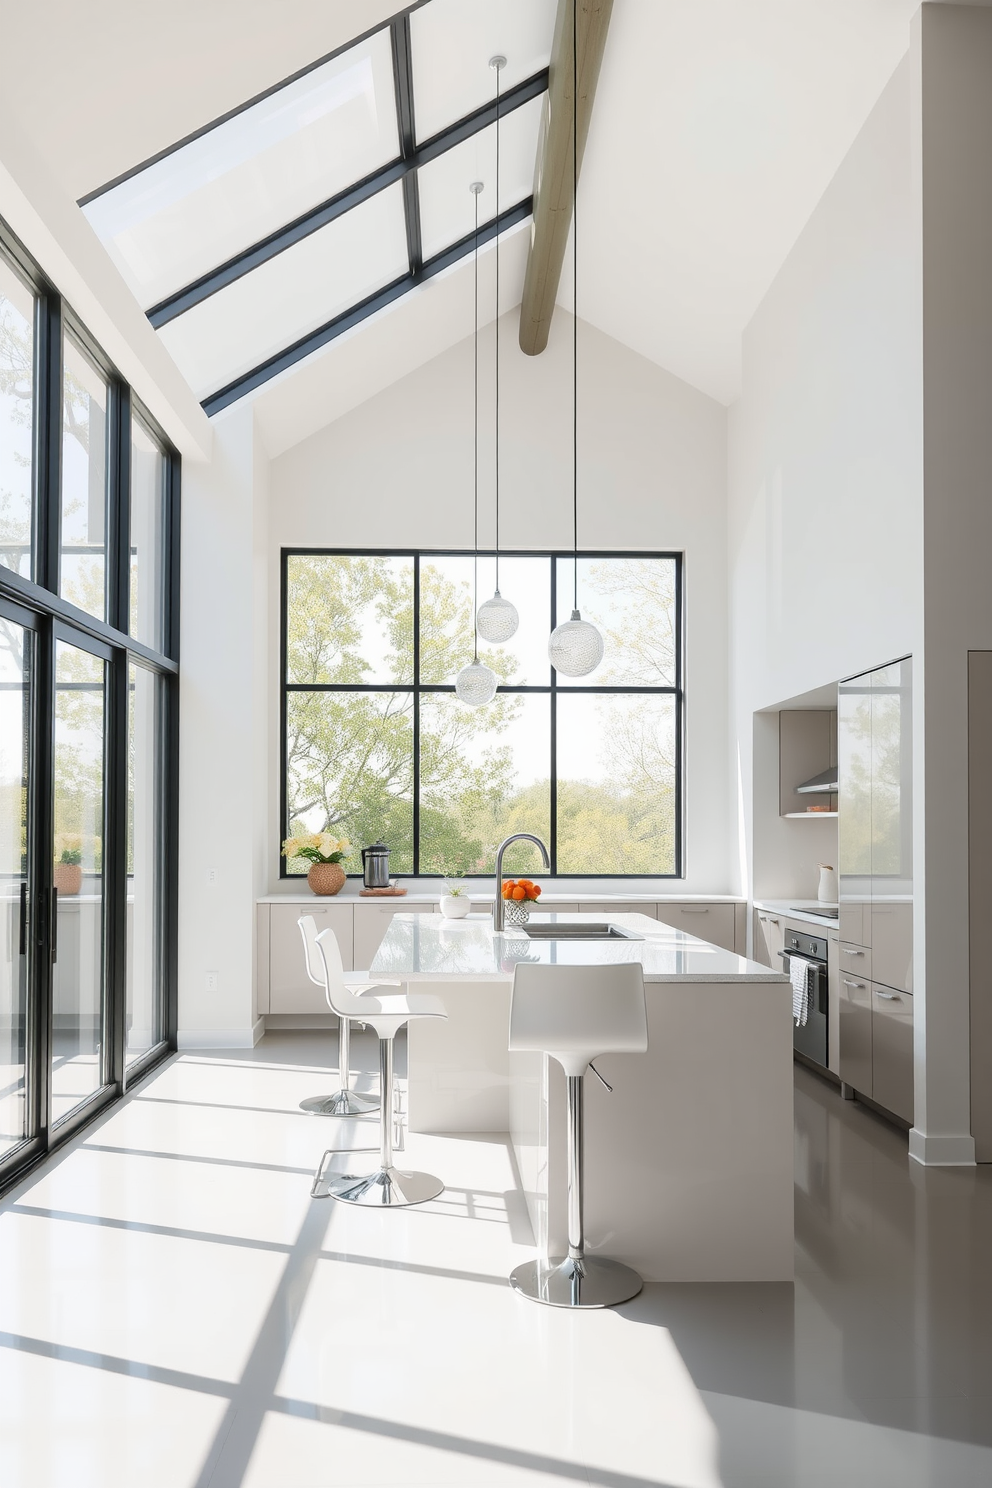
<point>219,1038</point>
<point>942,1152</point>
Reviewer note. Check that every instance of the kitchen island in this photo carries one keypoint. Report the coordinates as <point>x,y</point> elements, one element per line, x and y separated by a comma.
<point>689,1162</point>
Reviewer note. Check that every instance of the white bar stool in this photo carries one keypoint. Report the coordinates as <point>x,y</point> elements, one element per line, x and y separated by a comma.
<point>573,1013</point>
<point>388,1187</point>
<point>344,1102</point>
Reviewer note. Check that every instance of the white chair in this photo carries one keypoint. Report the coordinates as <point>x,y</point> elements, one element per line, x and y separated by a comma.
<point>574,1013</point>
<point>344,1102</point>
<point>388,1187</point>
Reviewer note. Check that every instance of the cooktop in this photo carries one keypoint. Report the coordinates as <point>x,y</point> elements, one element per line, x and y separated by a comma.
<point>823,914</point>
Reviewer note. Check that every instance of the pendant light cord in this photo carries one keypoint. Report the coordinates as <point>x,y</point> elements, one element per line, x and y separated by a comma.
<point>496,327</point>
<point>575,302</point>
<point>475,560</point>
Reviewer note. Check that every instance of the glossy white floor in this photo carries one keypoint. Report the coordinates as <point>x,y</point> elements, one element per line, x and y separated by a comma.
<point>175,1312</point>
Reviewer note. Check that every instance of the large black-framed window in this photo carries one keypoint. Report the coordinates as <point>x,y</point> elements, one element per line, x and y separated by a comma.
<point>376,744</point>
<point>89,527</point>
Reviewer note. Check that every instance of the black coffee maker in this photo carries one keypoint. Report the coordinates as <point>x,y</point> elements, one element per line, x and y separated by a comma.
<point>375,865</point>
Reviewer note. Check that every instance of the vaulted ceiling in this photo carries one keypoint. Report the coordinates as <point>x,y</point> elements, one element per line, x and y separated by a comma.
<point>717,126</point>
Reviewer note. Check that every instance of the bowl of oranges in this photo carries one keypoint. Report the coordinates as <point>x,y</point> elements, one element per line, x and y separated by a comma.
<point>521,894</point>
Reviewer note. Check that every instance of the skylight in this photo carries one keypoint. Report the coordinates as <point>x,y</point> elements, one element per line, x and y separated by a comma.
<point>272,230</point>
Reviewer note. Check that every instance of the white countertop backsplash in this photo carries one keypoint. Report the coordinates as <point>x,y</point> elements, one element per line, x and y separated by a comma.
<point>425,948</point>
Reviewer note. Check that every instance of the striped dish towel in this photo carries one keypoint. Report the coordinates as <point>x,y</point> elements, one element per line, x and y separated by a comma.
<point>799,976</point>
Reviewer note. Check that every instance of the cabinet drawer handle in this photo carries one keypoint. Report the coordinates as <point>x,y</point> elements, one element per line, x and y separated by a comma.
<point>848,983</point>
<point>694,909</point>
<point>888,996</point>
<point>852,953</point>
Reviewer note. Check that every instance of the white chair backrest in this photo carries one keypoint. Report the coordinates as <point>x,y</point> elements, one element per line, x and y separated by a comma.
<point>576,1012</point>
<point>315,967</point>
<point>340,1000</point>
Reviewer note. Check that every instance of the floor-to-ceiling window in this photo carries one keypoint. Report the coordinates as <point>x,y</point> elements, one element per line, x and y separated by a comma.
<point>88,676</point>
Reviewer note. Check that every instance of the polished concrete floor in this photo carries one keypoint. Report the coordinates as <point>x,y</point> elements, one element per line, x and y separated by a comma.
<point>175,1312</point>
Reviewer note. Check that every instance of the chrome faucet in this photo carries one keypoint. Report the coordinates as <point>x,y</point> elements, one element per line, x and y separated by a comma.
<point>517,837</point>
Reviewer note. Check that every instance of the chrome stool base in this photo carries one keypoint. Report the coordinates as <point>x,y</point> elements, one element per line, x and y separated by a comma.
<point>386,1188</point>
<point>341,1103</point>
<point>592,1281</point>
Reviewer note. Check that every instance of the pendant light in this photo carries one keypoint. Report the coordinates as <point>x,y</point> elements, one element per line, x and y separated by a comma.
<point>497,619</point>
<point>476,684</point>
<point>576,647</point>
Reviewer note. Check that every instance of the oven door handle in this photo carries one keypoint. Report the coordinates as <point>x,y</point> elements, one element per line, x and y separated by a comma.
<point>819,971</point>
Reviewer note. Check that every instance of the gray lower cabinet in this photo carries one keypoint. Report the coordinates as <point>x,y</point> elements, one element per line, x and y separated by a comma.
<point>892,1050</point>
<point>290,988</point>
<point>713,922</point>
<point>854,1055</point>
<point>769,938</point>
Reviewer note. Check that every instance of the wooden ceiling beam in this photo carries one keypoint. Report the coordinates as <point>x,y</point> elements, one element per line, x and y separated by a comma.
<point>553,185</point>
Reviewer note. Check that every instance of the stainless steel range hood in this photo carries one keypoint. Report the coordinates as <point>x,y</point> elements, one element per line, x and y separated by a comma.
<point>823,784</point>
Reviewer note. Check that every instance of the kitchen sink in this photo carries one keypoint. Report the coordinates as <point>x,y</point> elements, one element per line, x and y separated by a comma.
<point>591,931</point>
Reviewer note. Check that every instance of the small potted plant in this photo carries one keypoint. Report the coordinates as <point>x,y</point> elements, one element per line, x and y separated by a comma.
<point>67,875</point>
<point>324,854</point>
<point>521,895</point>
<point>455,903</point>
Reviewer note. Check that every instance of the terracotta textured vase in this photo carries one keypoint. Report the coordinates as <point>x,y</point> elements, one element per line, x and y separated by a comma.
<point>68,877</point>
<point>326,878</point>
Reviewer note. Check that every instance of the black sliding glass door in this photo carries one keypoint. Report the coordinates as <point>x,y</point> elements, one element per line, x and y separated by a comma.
<point>88,730</point>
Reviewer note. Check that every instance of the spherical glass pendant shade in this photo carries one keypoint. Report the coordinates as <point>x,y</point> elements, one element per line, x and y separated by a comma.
<point>476,684</point>
<point>575,648</point>
<point>497,619</point>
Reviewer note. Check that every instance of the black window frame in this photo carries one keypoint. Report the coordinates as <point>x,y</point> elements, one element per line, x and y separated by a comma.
<point>413,153</point>
<point>552,689</point>
<point>36,603</point>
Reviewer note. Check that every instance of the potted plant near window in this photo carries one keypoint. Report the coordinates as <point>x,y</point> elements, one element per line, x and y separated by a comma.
<point>455,904</point>
<point>67,875</point>
<point>324,854</point>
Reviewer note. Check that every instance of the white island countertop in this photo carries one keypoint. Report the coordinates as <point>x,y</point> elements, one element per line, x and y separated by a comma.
<point>427,948</point>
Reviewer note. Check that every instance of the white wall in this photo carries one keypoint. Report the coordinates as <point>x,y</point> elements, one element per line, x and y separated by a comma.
<point>397,471</point>
<point>224,707</point>
<point>825,476</point>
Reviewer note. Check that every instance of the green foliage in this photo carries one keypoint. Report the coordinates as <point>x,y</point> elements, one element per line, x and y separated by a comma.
<point>350,754</point>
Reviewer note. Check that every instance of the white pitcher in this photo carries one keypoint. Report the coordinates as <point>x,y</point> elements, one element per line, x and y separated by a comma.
<point>827,891</point>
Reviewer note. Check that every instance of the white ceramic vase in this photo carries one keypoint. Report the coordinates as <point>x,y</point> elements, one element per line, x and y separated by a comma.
<point>826,892</point>
<point>455,906</point>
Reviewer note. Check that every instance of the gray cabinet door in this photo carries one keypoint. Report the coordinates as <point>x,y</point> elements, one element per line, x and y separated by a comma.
<point>290,988</point>
<point>711,922</point>
<point>854,1032</point>
<point>892,1050</point>
<point>769,938</point>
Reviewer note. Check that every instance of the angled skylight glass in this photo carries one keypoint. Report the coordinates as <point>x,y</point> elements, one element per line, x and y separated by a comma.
<point>287,222</point>
<point>453,41</point>
<point>447,207</point>
<point>201,204</point>
<point>261,313</point>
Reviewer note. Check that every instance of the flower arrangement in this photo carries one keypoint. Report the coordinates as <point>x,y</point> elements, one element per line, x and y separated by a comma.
<point>316,847</point>
<point>324,853</point>
<point>522,890</point>
<point>454,886</point>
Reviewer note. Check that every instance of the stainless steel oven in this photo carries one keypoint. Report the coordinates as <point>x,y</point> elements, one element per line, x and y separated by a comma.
<point>811,1038</point>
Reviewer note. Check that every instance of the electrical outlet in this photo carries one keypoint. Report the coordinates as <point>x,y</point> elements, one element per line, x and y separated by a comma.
<point>211,981</point>
<point>211,875</point>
